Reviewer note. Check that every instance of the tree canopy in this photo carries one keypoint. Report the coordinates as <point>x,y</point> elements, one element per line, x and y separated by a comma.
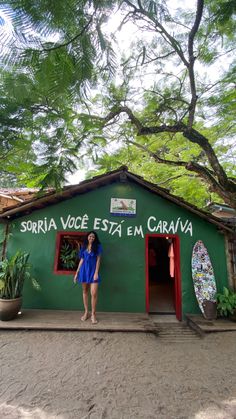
<point>164,102</point>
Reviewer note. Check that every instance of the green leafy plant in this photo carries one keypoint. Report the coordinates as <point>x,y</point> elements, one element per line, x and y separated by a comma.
<point>13,274</point>
<point>226,302</point>
<point>68,256</point>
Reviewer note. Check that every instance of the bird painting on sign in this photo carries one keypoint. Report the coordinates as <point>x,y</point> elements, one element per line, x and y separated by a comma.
<point>123,207</point>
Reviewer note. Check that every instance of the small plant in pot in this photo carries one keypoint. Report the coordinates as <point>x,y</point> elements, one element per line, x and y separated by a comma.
<point>209,302</point>
<point>13,274</point>
<point>226,303</point>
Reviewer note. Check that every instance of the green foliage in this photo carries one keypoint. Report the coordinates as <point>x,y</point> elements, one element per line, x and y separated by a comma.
<point>54,50</point>
<point>38,135</point>
<point>68,256</point>
<point>226,302</point>
<point>13,274</point>
<point>60,40</point>
<point>62,75</point>
<point>9,180</point>
<point>175,179</point>
<point>223,14</point>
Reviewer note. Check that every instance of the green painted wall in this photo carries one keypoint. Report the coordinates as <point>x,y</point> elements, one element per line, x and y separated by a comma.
<point>123,262</point>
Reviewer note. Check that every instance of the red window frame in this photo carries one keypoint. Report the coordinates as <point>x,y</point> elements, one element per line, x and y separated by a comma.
<point>61,235</point>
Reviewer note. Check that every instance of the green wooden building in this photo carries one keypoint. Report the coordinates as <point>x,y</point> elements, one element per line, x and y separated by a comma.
<point>138,224</point>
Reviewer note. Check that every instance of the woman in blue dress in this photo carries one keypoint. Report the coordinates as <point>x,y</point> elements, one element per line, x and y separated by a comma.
<point>88,273</point>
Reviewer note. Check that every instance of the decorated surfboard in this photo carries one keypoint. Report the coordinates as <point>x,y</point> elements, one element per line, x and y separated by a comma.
<point>203,275</point>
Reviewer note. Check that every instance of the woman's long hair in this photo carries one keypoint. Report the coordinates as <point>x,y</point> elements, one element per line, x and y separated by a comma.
<point>95,244</point>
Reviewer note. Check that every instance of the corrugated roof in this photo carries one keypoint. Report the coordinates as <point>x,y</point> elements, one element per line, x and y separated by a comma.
<point>18,191</point>
<point>9,197</point>
<point>221,207</point>
<point>121,174</point>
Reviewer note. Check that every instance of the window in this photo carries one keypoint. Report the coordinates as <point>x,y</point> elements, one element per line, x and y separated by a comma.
<point>68,246</point>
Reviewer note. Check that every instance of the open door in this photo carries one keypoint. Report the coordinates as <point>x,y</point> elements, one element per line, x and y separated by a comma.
<point>163,291</point>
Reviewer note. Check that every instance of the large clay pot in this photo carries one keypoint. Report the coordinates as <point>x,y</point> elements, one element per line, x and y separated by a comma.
<point>9,308</point>
<point>210,309</point>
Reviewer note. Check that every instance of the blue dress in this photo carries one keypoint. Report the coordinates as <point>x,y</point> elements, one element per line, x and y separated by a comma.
<point>88,267</point>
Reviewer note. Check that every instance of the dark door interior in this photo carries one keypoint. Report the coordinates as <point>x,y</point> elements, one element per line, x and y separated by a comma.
<point>161,283</point>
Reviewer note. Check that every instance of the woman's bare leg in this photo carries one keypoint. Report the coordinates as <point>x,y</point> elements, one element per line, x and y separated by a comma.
<point>94,298</point>
<point>85,301</point>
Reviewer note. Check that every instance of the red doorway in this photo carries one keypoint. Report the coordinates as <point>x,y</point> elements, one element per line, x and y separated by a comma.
<point>163,284</point>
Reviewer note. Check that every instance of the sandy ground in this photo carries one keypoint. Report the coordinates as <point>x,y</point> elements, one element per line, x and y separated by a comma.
<point>70,375</point>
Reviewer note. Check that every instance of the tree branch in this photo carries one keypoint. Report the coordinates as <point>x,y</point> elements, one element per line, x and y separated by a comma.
<point>203,172</point>
<point>72,39</point>
<point>175,177</point>
<point>197,138</point>
<point>191,134</point>
<point>141,129</point>
<point>191,37</point>
<point>44,108</point>
<point>214,185</point>
<point>151,60</point>
<point>216,178</point>
<point>177,48</point>
<point>161,30</point>
<point>155,155</point>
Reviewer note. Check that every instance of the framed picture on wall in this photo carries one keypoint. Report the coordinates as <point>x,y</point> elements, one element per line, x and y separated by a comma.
<point>123,207</point>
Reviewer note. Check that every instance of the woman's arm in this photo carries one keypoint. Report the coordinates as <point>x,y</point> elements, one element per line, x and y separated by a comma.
<point>77,271</point>
<point>98,262</point>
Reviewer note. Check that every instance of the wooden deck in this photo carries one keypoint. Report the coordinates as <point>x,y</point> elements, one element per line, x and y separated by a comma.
<point>71,320</point>
<point>202,326</point>
<point>112,322</point>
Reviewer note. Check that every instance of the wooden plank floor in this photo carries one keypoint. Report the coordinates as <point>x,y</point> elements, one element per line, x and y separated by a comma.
<point>109,322</point>
<point>202,325</point>
<point>70,320</point>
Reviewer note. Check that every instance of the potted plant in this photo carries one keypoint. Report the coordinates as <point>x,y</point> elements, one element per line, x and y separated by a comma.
<point>13,273</point>
<point>209,303</point>
<point>226,303</point>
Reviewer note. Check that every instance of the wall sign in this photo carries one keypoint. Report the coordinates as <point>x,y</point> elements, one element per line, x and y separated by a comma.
<point>115,227</point>
<point>123,207</point>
